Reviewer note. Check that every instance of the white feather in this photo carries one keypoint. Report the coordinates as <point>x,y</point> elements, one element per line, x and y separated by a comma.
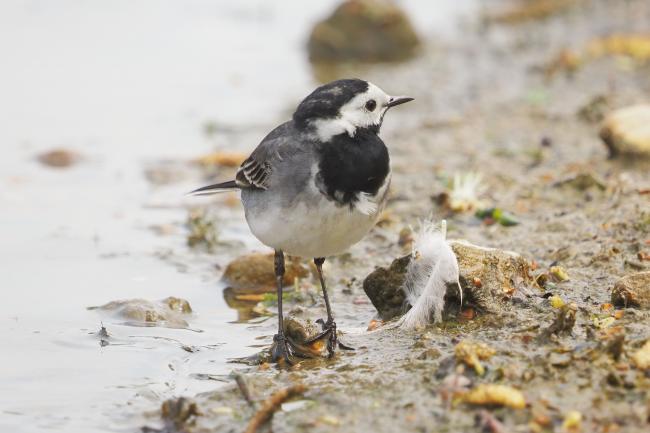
<point>432,267</point>
<point>366,204</point>
<point>371,205</point>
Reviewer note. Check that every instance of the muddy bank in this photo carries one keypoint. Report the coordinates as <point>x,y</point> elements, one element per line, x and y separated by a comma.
<point>485,105</point>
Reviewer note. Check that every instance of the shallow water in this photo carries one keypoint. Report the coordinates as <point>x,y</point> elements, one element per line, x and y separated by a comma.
<point>125,83</point>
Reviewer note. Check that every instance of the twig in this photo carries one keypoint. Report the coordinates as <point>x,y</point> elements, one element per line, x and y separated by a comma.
<point>265,413</point>
<point>243,387</point>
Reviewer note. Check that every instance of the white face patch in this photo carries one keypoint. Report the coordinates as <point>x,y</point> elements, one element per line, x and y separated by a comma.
<point>357,113</point>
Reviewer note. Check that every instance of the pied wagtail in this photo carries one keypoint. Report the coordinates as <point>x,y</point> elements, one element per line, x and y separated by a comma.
<point>316,184</point>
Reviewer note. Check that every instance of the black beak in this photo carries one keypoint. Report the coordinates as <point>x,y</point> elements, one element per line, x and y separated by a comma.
<point>397,100</point>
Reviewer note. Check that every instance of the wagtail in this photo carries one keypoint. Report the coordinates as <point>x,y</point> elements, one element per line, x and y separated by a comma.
<point>316,184</point>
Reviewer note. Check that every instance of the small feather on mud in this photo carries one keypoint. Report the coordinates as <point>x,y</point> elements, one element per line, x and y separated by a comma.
<point>432,267</point>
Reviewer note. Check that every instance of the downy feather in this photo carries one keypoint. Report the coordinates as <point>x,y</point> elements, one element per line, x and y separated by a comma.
<point>432,267</point>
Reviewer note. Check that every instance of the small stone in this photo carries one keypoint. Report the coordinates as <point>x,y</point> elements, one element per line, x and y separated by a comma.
<point>222,159</point>
<point>632,291</point>
<point>431,353</point>
<point>374,324</point>
<point>560,359</point>
<point>255,273</point>
<point>641,358</point>
<point>178,304</point>
<point>166,312</point>
<point>59,158</point>
<point>582,182</point>
<point>466,314</point>
<point>627,131</point>
<point>363,31</point>
<point>330,420</point>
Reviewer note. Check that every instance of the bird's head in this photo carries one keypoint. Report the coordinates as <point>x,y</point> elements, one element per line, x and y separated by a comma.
<point>344,106</point>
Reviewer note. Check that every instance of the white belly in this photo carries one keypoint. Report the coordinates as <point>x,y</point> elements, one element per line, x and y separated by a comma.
<point>316,230</point>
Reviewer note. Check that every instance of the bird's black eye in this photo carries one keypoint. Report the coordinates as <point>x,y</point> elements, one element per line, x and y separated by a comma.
<point>371,105</point>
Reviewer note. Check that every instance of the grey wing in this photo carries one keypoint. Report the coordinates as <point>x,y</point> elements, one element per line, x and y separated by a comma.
<point>257,169</point>
<point>253,174</point>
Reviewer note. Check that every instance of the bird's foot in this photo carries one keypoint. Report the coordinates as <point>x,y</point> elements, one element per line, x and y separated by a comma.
<point>282,350</point>
<point>329,332</point>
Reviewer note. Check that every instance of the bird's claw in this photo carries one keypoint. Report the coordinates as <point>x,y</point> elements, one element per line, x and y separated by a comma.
<point>281,349</point>
<point>344,346</point>
<point>329,331</point>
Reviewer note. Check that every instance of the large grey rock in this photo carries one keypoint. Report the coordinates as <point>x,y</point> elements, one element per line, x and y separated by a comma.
<point>488,276</point>
<point>384,288</point>
<point>363,31</point>
<point>255,273</point>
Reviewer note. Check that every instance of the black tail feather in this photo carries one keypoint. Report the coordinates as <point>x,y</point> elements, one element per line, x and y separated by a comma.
<point>216,188</point>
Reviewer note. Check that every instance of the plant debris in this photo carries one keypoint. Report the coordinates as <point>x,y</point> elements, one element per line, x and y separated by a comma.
<point>471,353</point>
<point>582,182</point>
<point>272,404</point>
<point>564,321</point>
<point>496,215</point>
<point>222,159</point>
<point>202,230</point>
<point>495,395</point>
<point>528,10</point>
<point>558,273</point>
<point>633,46</point>
<point>464,193</point>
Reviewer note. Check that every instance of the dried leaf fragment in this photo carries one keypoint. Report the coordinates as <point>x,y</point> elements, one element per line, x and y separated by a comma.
<point>572,421</point>
<point>495,395</point>
<point>559,273</point>
<point>222,159</point>
<point>471,353</point>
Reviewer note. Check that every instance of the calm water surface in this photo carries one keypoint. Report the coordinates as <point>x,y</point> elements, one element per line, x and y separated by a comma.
<point>125,83</point>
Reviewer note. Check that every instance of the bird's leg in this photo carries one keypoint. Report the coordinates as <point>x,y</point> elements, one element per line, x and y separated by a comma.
<point>281,347</point>
<point>329,327</point>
